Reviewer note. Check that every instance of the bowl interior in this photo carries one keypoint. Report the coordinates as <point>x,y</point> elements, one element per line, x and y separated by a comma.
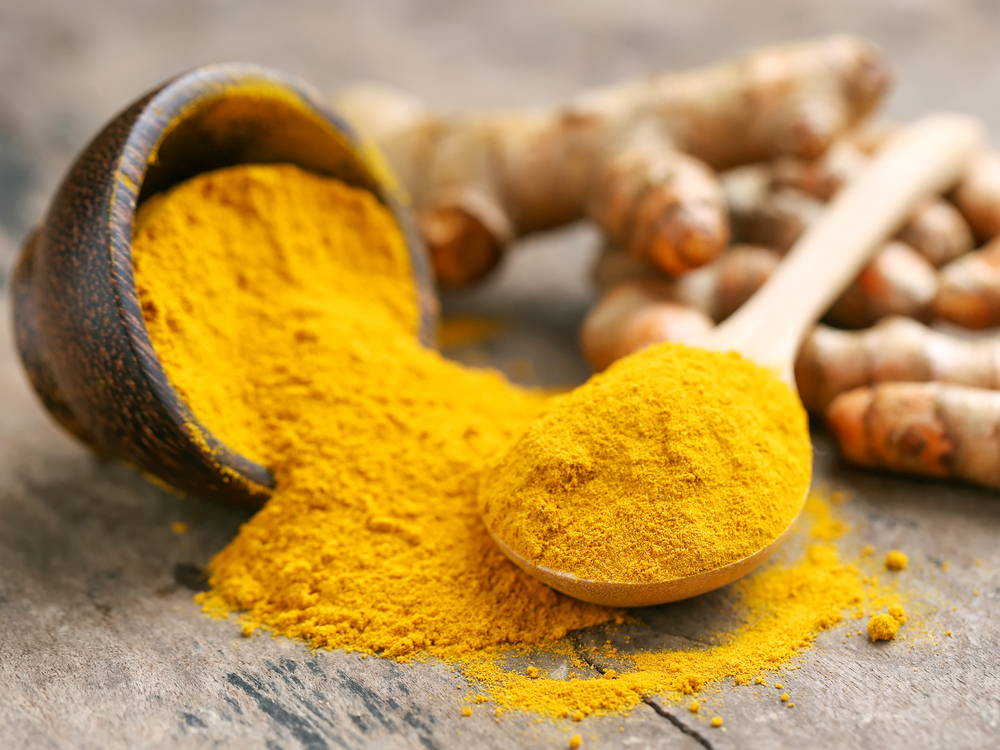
<point>225,115</point>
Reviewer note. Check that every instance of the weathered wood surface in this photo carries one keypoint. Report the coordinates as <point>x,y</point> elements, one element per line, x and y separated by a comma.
<point>100,643</point>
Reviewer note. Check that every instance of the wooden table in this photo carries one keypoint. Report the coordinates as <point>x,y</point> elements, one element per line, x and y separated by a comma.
<point>100,642</point>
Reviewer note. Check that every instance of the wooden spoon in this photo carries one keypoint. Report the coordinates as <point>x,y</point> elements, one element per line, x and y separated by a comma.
<point>922,160</point>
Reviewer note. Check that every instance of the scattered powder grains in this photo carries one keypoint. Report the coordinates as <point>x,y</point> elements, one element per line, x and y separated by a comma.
<point>465,331</point>
<point>717,721</point>
<point>291,334</point>
<point>179,527</point>
<point>693,707</point>
<point>575,742</point>
<point>883,627</point>
<point>896,560</point>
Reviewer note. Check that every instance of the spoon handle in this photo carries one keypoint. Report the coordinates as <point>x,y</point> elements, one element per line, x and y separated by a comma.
<point>923,159</point>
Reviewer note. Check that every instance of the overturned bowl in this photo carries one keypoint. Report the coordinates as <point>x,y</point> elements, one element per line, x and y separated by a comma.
<point>79,329</point>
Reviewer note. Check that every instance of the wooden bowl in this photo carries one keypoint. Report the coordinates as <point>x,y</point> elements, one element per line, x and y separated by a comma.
<point>79,329</point>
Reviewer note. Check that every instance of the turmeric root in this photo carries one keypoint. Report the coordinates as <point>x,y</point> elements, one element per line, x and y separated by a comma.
<point>820,178</point>
<point>639,307</point>
<point>938,232</point>
<point>633,315</point>
<point>660,204</point>
<point>765,215</point>
<point>776,213</point>
<point>898,281</point>
<point>480,180</point>
<point>716,290</point>
<point>969,294</point>
<point>831,362</point>
<point>933,429</point>
<point>978,196</point>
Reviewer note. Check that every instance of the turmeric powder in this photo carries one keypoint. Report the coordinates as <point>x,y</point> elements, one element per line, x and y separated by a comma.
<point>673,462</point>
<point>282,308</point>
<point>291,333</point>
<point>883,627</point>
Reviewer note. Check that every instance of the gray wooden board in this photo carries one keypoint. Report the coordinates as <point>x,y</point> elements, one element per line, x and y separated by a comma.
<point>100,643</point>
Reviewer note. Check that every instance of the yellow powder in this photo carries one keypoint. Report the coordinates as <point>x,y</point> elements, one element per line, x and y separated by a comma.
<point>896,560</point>
<point>693,707</point>
<point>575,742</point>
<point>672,462</point>
<point>299,314</point>
<point>717,721</point>
<point>883,627</point>
<point>179,527</point>
<point>282,307</point>
<point>467,330</point>
<point>466,711</point>
<point>898,613</point>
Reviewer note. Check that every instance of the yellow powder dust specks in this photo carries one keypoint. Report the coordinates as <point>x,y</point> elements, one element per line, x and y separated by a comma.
<point>824,523</point>
<point>896,560</point>
<point>883,627</point>
<point>467,330</point>
<point>717,721</point>
<point>179,527</point>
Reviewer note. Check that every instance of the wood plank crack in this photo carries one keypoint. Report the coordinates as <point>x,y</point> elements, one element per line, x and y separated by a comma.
<point>658,709</point>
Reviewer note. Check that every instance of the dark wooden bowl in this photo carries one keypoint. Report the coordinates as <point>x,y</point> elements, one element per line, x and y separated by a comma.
<point>80,332</point>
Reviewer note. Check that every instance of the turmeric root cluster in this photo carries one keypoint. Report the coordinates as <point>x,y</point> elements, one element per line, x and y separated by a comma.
<point>638,158</point>
<point>700,181</point>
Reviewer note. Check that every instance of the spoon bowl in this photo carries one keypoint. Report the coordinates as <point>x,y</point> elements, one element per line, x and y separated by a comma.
<point>79,328</point>
<point>625,594</point>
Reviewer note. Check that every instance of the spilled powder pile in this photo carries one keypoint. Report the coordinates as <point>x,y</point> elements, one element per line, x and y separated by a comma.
<point>282,307</point>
